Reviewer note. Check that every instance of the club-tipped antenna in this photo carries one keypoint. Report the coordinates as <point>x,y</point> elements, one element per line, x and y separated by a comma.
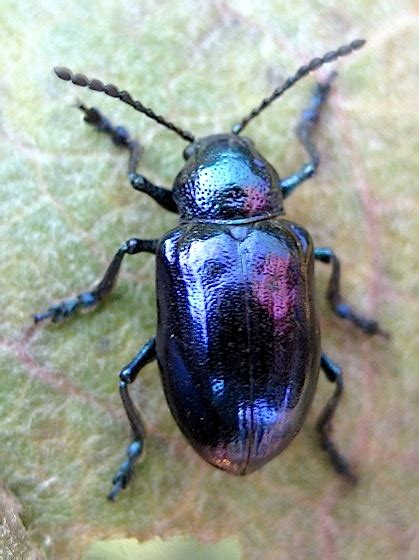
<point>301,73</point>
<point>111,90</point>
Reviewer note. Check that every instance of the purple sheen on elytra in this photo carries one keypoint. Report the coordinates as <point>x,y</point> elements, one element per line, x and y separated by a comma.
<point>237,339</point>
<point>269,289</point>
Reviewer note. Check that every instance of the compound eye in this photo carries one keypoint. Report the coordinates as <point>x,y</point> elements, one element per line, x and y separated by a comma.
<point>190,150</point>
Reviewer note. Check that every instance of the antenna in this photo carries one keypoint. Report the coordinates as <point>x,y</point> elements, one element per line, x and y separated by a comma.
<point>111,90</point>
<point>301,73</point>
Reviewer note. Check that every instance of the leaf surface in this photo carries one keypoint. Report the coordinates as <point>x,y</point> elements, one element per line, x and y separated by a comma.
<point>65,207</point>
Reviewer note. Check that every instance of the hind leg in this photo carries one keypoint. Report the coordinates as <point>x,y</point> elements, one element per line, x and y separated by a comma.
<point>334,297</point>
<point>324,423</point>
<point>127,376</point>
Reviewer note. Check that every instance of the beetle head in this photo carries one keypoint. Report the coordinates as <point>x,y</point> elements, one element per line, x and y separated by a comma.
<point>225,178</point>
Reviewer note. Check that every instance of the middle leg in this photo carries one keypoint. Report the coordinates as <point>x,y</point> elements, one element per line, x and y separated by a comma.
<point>89,299</point>
<point>134,450</point>
<point>334,297</point>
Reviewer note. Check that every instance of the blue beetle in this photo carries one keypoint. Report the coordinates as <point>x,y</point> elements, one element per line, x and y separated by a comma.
<point>238,339</point>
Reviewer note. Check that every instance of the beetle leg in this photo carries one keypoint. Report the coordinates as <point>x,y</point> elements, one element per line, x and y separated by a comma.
<point>88,299</point>
<point>127,376</point>
<point>121,137</point>
<point>324,424</point>
<point>309,119</point>
<point>333,295</point>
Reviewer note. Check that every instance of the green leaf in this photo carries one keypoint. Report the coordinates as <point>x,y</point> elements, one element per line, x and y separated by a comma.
<point>66,205</point>
<point>176,548</point>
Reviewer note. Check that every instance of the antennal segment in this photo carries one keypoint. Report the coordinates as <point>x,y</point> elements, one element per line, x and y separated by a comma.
<point>301,73</point>
<point>111,90</point>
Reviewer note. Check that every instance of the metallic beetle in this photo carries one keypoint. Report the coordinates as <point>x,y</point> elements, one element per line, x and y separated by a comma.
<point>238,340</point>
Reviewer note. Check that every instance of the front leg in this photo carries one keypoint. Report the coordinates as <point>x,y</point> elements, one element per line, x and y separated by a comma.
<point>309,119</point>
<point>337,303</point>
<point>88,299</point>
<point>121,137</point>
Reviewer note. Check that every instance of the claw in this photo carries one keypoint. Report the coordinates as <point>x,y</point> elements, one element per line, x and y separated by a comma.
<point>118,485</point>
<point>41,316</point>
<point>370,326</point>
<point>55,313</point>
<point>121,479</point>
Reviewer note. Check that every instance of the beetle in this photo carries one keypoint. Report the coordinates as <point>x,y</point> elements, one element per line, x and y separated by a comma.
<point>238,339</point>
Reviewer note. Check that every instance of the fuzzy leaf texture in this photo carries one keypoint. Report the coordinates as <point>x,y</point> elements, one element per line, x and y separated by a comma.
<point>66,206</point>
